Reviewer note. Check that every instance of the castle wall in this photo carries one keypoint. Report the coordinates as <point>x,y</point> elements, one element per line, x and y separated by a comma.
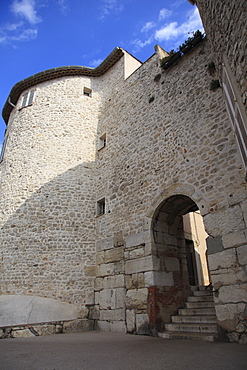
<point>167,145</point>
<point>180,142</point>
<point>48,192</point>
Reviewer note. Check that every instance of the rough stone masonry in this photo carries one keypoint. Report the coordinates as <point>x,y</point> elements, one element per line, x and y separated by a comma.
<point>97,173</point>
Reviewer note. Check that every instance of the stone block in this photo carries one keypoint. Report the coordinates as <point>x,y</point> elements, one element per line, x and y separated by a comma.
<point>148,249</point>
<point>78,326</point>
<point>142,324</point>
<point>234,239</point>
<point>223,222</point>
<point>24,333</point>
<point>214,245</point>
<point>113,282</point>
<point>141,265</point>
<point>98,284</point>
<point>137,252</point>
<point>111,269</point>
<point>45,329</point>
<point>118,327</point>
<point>244,209</point>
<point>242,254</point>
<point>227,315</point>
<point>104,244</point>
<point>136,298</point>
<point>120,297</point>
<point>134,281</point>
<point>159,278</point>
<point>22,310</point>
<point>112,315</point>
<point>103,326</point>
<point>94,313</point>
<point>90,271</point>
<point>100,257</point>
<point>113,255</point>
<point>228,276</point>
<point>130,320</point>
<point>89,297</point>
<point>233,293</point>
<point>107,299</point>
<point>224,259</point>
<point>171,264</point>
<point>82,313</point>
<point>118,239</point>
<point>136,239</point>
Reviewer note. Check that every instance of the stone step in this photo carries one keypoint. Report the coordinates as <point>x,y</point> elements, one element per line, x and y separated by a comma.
<point>196,311</point>
<point>192,328</point>
<point>205,298</point>
<point>200,293</point>
<point>201,288</point>
<point>191,336</point>
<point>194,319</point>
<point>199,304</point>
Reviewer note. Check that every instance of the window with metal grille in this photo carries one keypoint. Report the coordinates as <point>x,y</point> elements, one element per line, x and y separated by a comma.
<point>236,116</point>
<point>27,98</point>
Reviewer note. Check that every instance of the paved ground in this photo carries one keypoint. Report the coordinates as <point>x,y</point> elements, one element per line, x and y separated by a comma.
<point>110,351</point>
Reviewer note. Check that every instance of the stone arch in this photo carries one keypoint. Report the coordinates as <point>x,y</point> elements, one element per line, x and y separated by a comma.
<point>171,278</point>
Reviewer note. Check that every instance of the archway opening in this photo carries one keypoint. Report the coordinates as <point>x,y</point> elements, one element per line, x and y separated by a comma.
<point>179,244</point>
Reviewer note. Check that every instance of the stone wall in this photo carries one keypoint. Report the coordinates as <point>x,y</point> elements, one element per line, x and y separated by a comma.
<point>47,191</point>
<point>225,25</point>
<point>179,142</point>
<point>168,138</point>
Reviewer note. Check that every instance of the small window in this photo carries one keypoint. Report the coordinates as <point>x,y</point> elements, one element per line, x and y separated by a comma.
<point>3,147</point>
<point>27,98</point>
<point>87,92</point>
<point>101,207</point>
<point>102,141</point>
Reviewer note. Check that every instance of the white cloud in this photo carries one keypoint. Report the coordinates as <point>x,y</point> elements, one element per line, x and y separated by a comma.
<point>96,62</point>
<point>167,32</point>
<point>164,13</point>
<point>173,30</point>
<point>18,34</point>
<point>138,44</point>
<point>25,9</point>
<point>13,26</point>
<point>64,6</point>
<point>26,35</point>
<point>148,26</point>
<point>110,6</point>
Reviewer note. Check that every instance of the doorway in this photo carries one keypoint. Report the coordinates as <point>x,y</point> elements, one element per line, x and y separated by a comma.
<point>177,244</point>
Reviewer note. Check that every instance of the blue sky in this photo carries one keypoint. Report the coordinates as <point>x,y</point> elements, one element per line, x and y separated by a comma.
<point>40,34</point>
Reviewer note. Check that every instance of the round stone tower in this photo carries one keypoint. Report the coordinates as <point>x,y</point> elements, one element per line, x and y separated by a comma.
<point>47,192</point>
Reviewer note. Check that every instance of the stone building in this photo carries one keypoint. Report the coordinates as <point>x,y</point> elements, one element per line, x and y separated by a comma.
<point>101,167</point>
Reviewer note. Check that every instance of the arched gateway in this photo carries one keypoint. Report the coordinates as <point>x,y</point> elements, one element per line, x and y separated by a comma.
<point>179,243</point>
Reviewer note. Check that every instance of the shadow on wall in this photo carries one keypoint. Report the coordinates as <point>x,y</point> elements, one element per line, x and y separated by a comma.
<point>48,244</point>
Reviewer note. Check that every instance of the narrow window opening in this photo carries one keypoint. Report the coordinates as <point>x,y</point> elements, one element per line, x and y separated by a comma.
<point>102,141</point>
<point>101,207</point>
<point>87,92</point>
<point>4,144</point>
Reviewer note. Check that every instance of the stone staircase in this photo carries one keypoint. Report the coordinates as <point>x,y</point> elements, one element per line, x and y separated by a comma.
<point>197,320</point>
